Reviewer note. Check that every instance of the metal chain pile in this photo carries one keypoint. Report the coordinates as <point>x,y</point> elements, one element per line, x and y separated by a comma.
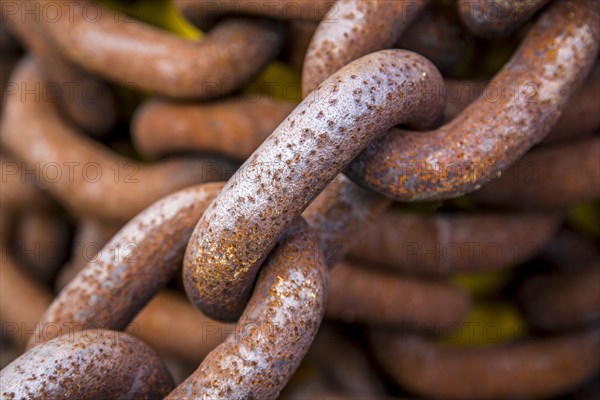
<point>418,219</point>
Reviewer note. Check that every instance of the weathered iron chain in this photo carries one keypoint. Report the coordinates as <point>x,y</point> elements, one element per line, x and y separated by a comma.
<point>257,249</point>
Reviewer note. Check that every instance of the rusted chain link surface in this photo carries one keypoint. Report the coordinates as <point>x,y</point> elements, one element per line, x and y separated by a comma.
<point>173,327</point>
<point>22,302</point>
<point>437,34</point>
<point>84,98</point>
<point>88,178</point>
<point>563,299</point>
<point>113,287</point>
<point>294,164</point>
<point>79,365</point>
<point>358,294</point>
<point>19,190</point>
<point>301,10</point>
<point>534,179</point>
<point>439,245</point>
<point>340,214</point>
<point>360,28</point>
<point>44,237</point>
<point>576,114</point>
<point>584,36</point>
<point>91,235</point>
<point>488,136</point>
<point>234,127</point>
<point>145,58</point>
<point>496,18</point>
<point>578,118</point>
<point>168,323</point>
<point>277,327</point>
<point>539,368</point>
<point>132,283</point>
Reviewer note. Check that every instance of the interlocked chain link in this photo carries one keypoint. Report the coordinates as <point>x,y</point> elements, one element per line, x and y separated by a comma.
<point>257,243</point>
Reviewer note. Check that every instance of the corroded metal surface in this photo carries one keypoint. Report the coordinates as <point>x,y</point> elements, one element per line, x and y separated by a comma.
<point>534,179</point>
<point>300,10</point>
<point>174,328</point>
<point>22,302</point>
<point>359,28</point>
<point>80,364</point>
<point>522,370</point>
<point>89,238</point>
<point>294,164</point>
<point>88,178</point>
<point>142,57</point>
<point>340,214</point>
<point>275,330</point>
<point>496,18</point>
<point>234,127</point>
<point>563,299</point>
<point>579,117</point>
<point>355,292</point>
<point>488,136</point>
<point>437,34</point>
<point>439,245</point>
<point>252,243</point>
<point>116,284</point>
<point>19,190</point>
<point>85,99</point>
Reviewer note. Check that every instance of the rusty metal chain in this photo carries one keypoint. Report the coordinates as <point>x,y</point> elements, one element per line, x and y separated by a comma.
<point>80,366</point>
<point>505,164</point>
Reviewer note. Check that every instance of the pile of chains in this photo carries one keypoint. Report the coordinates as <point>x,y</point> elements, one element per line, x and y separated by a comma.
<point>416,216</point>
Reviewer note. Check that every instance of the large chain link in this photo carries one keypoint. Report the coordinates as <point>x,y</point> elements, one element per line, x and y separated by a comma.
<point>257,245</point>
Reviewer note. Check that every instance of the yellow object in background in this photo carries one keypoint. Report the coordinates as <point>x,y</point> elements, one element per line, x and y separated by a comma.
<point>482,284</point>
<point>488,323</point>
<point>584,217</point>
<point>278,81</point>
<point>160,13</point>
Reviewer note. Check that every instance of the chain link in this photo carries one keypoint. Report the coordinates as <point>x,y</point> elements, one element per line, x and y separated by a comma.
<point>257,246</point>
